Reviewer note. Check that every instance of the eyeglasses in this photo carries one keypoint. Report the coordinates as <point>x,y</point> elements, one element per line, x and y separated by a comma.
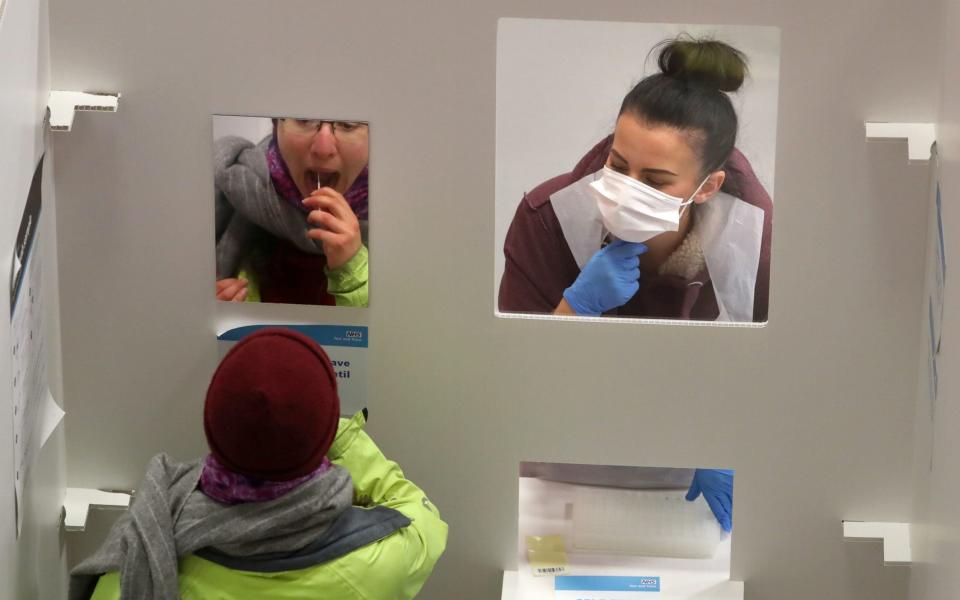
<point>344,131</point>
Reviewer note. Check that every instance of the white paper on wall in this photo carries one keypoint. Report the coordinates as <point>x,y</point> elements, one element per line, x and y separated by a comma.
<point>29,368</point>
<point>935,278</point>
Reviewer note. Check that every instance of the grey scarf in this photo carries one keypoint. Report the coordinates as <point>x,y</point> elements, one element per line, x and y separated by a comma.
<point>170,518</point>
<point>246,199</point>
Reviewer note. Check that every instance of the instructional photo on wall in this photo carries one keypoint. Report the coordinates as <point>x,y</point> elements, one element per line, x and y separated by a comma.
<point>634,170</point>
<point>292,206</point>
<point>622,529</point>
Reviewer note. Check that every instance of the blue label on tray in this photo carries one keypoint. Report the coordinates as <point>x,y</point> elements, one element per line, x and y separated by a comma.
<point>605,583</point>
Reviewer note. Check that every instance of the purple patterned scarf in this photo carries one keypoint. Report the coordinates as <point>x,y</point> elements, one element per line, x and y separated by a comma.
<point>357,195</point>
<point>223,485</point>
<point>283,182</point>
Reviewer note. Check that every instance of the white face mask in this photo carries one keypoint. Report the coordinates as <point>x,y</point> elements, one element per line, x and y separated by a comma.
<point>635,212</point>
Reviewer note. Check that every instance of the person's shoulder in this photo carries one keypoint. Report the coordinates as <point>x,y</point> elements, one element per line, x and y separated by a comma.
<point>742,182</point>
<point>539,196</point>
<point>590,162</point>
<point>230,142</point>
<point>226,149</point>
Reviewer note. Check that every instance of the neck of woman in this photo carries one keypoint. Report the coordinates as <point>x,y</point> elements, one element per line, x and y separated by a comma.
<point>659,248</point>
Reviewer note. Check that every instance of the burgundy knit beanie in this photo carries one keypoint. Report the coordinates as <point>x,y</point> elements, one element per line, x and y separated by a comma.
<point>272,408</point>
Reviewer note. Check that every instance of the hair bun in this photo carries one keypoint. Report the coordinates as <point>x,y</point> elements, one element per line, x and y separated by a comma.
<point>704,61</point>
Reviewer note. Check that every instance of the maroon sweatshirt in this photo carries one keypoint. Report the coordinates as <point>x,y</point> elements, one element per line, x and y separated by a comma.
<point>540,266</point>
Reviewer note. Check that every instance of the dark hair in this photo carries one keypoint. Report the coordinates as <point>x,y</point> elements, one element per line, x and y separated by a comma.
<point>689,94</point>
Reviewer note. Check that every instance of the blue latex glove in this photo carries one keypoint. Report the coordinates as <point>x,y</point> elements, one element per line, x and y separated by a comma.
<point>609,279</point>
<point>716,485</point>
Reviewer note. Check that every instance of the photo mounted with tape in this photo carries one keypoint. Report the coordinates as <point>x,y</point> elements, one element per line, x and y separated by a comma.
<point>291,198</point>
<point>635,169</point>
<point>620,529</point>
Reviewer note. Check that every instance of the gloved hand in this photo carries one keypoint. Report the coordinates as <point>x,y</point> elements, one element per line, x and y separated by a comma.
<point>608,280</point>
<point>716,485</point>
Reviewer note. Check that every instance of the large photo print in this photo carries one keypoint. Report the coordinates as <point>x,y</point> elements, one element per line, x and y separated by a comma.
<point>291,202</point>
<point>635,169</point>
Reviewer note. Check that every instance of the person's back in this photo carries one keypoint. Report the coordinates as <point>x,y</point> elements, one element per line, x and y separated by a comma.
<point>332,518</point>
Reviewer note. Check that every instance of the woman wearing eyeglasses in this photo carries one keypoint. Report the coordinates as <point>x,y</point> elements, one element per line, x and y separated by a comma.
<point>662,219</point>
<point>291,214</point>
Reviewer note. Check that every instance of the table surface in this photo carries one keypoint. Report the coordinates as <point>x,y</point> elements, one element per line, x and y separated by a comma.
<point>543,511</point>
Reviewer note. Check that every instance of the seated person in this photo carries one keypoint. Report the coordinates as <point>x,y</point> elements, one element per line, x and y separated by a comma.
<point>291,502</point>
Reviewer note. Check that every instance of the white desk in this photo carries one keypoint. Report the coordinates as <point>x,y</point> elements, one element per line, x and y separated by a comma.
<point>542,511</point>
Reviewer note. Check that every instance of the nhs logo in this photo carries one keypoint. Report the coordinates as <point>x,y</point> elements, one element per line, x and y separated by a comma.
<point>599,587</point>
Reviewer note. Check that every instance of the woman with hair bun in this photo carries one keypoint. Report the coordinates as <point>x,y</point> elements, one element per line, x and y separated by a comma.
<point>662,219</point>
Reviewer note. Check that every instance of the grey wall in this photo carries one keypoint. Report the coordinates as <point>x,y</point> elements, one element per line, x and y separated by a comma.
<point>33,565</point>
<point>937,472</point>
<point>815,411</point>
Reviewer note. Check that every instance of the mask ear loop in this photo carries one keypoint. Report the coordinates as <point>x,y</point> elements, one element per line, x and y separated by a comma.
<point>684,205</point>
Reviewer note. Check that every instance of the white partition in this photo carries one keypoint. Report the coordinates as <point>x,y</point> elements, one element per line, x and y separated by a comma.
<point>814,412</point>
<point>31,565</point>
<point>936,554</point>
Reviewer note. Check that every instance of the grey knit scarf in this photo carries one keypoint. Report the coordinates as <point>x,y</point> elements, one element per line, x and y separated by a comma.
<point>245,199</point>
<point>169,518</point>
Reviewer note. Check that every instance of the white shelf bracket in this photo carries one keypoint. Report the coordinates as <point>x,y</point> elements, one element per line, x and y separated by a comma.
<point>64,105</point>
<point>78,501</point>
<point>895,538</point>
<point>919,136</point>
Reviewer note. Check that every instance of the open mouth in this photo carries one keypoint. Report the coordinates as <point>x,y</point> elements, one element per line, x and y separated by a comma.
<point>319,179</point>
